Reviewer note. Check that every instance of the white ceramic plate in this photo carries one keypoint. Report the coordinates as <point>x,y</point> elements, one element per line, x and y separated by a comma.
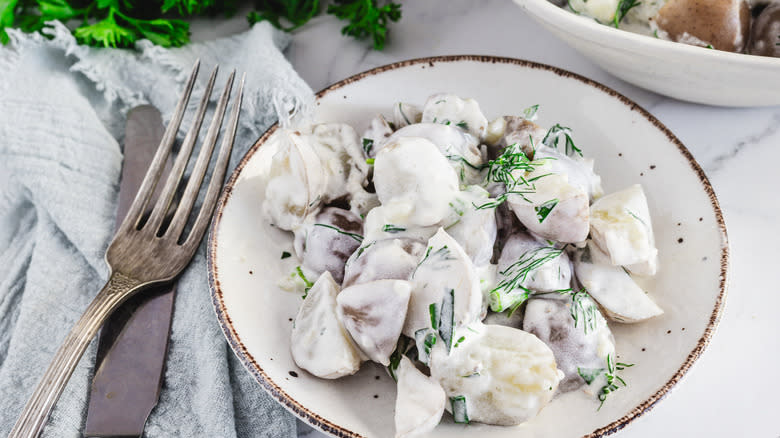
<point>677,70</point>
<point>629,146</point>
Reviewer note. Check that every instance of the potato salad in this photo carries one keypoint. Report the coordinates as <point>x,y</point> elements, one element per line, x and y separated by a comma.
<point>479,261</point>
<point>742,26</point>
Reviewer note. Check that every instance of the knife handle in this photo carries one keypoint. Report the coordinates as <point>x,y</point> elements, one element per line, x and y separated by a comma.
<point>33,418</point>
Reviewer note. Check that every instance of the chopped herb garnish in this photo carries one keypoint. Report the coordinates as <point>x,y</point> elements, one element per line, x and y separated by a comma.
<point>367,145</point>
<point>553,136</point>
<point>285,255</point>
<point>503,169</point>
<point>308,284</point>
<point>460,339</point>
<point>589,374</point>
<point>395,359</point>
<point>355,236</point>
<point>622,9</point>
<point>363,248</point>
<point>462,125</point>
<point>439,101</point>
<point>655,33</point>
<point>709,46</point>
<point>459,210</point>
<point>530,112</point>
<point>509,292</point>
<point>542,211</point>
<point>390,228</point>
<point>433,310</point>
<point>425,339</point>
<point>447,318</point>
<point>459,412</point>
<point>454,157</point>
<point>611,375</point>
<point>583,309</point>
<point>370,161</point>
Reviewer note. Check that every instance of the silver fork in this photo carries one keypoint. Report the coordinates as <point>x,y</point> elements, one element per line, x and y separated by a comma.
<point>146,253</point>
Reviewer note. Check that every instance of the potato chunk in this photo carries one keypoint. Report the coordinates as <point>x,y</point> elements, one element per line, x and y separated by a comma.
<point>419,403</point>
<point>565,208</point>
<point>414,181</point>
<point>578,344</point>
<point>391,259</point>
<point>327,243</point>
<point>725,24</point>
<point>444,269</point>
<point>319,342</point>
<point>617,293</point>
<point>449,109</point>
<point>621,227</point>
<point>498,375</point>
<point>373,314</point>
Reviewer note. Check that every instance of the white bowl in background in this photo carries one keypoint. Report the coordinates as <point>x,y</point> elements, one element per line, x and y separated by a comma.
<point>677,70</point>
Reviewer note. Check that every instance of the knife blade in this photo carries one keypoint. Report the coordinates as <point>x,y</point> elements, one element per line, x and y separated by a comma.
<point>134,341</point>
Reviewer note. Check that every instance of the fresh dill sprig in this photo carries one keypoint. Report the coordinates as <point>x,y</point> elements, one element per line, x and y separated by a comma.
<point>612,377</point>
<point>463,125</point>
<point>510,293</point>
<point>504,169</point>
<point>355,236</point>
<point>308,284</point>
<point>553,136</point>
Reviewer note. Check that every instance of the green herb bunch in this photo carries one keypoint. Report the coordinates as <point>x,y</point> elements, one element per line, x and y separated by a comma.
<point>120,23</point>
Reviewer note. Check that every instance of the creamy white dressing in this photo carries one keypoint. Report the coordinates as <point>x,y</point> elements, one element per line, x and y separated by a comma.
<point>617,293</point>
<point>444,269</point>
<point>446,233</point>
<point>581,344</point>
<point>505,375</point>
<point>373,313</point>
<point>419,402</point>
<point>415,181</point>
<point>568,221</point>
<point>449,109</point>
<point>319,342</point>
<point>622,228</point>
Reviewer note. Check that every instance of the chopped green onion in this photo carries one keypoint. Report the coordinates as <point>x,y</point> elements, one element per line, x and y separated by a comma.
<point>459,411</point>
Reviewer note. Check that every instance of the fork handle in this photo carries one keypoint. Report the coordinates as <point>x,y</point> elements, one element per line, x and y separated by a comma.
<point>33,418</point>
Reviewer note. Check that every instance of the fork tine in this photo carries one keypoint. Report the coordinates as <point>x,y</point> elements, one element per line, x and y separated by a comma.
<point>218,176</point>
<point>201,165</point>
<point>177,172</point>
<point>149,182</point>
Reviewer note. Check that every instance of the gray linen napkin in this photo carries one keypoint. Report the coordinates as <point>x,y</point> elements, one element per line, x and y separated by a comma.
<point>62,109</point>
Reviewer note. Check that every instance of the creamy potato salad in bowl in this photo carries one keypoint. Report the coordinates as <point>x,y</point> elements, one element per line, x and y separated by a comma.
<point>439,256</point>
<point>717,52</point>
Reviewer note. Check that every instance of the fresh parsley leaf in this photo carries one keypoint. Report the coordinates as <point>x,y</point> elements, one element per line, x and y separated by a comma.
<point>295,13</point>
<point>366,19</point>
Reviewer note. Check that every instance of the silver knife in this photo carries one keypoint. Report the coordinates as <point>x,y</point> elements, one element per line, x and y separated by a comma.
<point>134,341</point>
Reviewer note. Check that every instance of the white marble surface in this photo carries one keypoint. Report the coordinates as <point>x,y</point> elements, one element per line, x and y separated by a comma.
<point>732,390</point>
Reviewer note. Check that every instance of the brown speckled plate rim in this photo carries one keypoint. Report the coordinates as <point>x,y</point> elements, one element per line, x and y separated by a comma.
<point>329,427</point>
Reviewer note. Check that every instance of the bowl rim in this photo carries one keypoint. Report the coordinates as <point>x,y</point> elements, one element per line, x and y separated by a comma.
<point>325,425</point>
<point>569,20</point>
